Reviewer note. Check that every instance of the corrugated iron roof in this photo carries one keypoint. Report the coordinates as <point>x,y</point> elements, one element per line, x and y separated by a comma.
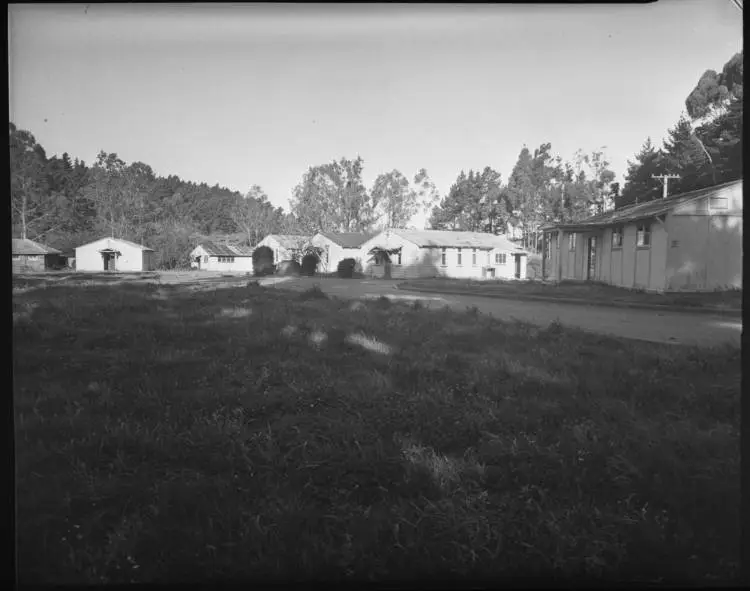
<point>29,247</point>
<point>641,211</point>
<point>348,239</point>
<point>289,241</point>
<point>226,250</point>
<point>449,239</point>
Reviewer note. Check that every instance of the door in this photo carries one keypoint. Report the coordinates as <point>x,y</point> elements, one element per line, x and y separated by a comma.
<point>518,266</point>
<point>387,266</point>
<point>591,271</point>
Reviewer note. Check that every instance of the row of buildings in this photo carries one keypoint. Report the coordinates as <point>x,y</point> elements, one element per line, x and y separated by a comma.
<point>691,241</point>
<point>394,253</point>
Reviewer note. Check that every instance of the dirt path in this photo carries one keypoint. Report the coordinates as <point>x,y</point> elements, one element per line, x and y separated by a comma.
<point>650,325</point>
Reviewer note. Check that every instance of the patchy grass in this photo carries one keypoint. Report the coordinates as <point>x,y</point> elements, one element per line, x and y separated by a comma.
<point>593,292</point>
<point>306,439</point>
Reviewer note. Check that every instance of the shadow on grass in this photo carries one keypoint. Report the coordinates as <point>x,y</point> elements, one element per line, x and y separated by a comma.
<point>169,434</point>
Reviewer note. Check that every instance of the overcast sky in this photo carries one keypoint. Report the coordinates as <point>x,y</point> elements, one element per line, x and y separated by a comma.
<point>239,95</point>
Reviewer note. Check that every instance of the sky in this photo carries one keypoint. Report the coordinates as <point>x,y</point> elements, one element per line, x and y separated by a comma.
<point>256,94</point>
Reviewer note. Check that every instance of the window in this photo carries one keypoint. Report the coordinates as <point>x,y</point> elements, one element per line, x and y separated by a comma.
<point>571,241</point>
<point>205,258</point>
<point>719,203</point>
<point>226,259</point>
<point>327,250</point>
<point>398,260</point>
<point>16,257</point>
<point>473,257</point>
<point>499,258</point>
<point>458,258</point>
<point>643,235</point>
<point>617,237</point>
<point>675,243</point>
<point>442,257</point>
<point>557,240</point>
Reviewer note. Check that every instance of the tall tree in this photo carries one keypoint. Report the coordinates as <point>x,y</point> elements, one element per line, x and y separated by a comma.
<point>715,110</point>
<point>255,216</point>
<point>597,178</point>
<point>687,156</point>
<point>332,197</point>
<point>29,183</point>
<point>521,191</point>
<point>476,202</point>
<point>428,195</point>
<point>640,186</point>
<point>394,201</point>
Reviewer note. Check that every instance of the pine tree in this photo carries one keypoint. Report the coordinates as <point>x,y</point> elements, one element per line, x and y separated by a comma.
<point>639,186</point>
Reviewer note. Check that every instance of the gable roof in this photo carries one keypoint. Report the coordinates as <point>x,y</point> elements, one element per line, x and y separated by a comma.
<point>450,239</point>
<point>646,210</point>
<point>121,240</point>
<point>348,239</point>
<point>29,247</point>
<point>225,250</point>
<point>289,241</point>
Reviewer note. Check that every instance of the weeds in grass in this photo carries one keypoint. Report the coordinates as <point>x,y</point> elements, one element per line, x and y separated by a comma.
<point>314,293</point>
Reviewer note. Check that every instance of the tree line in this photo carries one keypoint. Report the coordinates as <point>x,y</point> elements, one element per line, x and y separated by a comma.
<point>66,202</point>
<point>703,148</point>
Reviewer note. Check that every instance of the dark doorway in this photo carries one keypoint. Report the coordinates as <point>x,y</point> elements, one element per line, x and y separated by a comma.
<point>591,271</point>
<point>387,266</point>
<point>110,259</point>
<point>518,266</point>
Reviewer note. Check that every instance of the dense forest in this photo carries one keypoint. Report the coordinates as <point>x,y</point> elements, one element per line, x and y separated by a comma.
<point>65,203</point>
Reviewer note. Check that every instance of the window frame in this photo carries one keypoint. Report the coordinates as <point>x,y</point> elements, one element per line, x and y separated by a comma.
<point>713,200</point>
<point>501,258</point>
<point>572,239</point>
<point>620,232</point>
<point>643,237</point>
<point>459,259</point>
<point>473,257</point>
<point>444,257</point>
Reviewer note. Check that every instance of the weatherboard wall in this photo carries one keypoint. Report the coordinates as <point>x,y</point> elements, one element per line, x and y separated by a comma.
<point>705,244</point>
<point>426,262</point>
<point>23,262</point>
<point>333,253</point>
<point>209,262</point>
<point>280,252</point>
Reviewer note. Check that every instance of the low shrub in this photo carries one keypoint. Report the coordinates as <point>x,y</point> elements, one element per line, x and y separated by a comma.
<point>310,264</point>
<point>314,293</point>
<point>263,261</point>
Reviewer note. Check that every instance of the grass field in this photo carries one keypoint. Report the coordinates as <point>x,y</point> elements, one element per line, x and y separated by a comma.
<point>591,292</point>
<point>181,433</point>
